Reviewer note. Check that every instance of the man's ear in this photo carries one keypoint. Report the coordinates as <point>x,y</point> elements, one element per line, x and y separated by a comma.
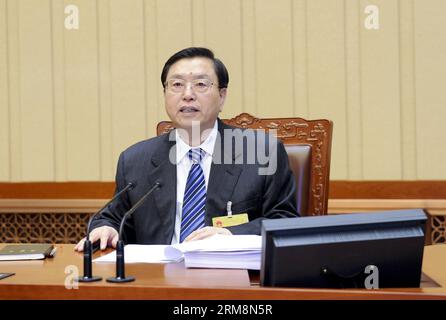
<point>222,92</point>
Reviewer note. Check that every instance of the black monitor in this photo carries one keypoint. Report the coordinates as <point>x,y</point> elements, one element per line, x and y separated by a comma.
<point>379,249</point>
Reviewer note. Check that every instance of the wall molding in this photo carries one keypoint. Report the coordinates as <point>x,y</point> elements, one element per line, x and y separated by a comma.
<point>335,206</point>
<point>396,189</point>
<point>51,205</point>
<point>64,220</point>
<point>433,206</point>
<point>339,189</point>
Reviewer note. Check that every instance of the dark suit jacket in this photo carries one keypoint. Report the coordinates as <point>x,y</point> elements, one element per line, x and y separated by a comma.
<point>261,196</point>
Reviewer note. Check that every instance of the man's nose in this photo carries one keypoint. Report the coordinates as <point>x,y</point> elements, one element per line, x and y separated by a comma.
<point>188,94</point>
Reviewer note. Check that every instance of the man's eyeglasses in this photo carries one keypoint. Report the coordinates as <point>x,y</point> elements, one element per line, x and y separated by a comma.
<point>179,85</point>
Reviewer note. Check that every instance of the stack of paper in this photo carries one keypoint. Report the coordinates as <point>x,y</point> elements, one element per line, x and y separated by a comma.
<point>218,251</point>
<point>221,251</point>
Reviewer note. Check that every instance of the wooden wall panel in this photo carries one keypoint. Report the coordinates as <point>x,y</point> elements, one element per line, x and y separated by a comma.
<point>72,100</point>
<point>174,26</point>
<point>274,71</point>
<point>300,58</point>
<point>13,54</point>
<point>353,24</point>
<point>230,51</point>
<point>58,94</point>
<point>430,68</point>
<point>127,74</point>
<point>407,91</point>
<point>107,159</point>
<point>36,103</point>
<point>198,20</point>
<point>326,74</point>
<point>153,96</point>
<point>249,70</point>
<point>81,95</point>
<point>380,94</point>
<point>4,103</point>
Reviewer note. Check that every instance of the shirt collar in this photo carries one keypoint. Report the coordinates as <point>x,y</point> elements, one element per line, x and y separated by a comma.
<point>207,145</point>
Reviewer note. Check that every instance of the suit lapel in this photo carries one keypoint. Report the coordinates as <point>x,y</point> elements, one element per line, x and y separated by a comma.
<point>165,172</point>
<point>223,177</point>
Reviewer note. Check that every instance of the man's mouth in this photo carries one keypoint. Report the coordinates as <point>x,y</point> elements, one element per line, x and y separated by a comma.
<point>188,109</point>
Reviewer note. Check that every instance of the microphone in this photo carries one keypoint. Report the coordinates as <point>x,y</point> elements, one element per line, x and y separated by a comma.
<point>88,251</point>
<point>120,261</point>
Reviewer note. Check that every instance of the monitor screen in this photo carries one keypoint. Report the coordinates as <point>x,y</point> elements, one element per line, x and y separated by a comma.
<point>359,250</point>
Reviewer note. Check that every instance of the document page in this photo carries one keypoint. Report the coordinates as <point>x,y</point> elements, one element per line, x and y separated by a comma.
<point>138,253</point>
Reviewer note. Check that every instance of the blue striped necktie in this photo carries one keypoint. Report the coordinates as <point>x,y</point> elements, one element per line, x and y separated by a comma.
<point>194,196</point>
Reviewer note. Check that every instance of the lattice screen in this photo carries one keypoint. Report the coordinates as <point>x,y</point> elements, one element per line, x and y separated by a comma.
<point>42,227</point>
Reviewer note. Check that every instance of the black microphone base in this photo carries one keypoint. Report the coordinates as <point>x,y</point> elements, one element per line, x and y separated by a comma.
<point>88,279</point>
<point>120,279</point>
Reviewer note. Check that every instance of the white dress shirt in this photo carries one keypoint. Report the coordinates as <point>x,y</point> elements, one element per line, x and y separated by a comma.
<point>184,165</point>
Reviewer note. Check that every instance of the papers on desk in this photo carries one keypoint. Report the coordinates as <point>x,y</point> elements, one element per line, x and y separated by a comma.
<point>138,253</point>
<point>221,251</point>
<point>218,251</point>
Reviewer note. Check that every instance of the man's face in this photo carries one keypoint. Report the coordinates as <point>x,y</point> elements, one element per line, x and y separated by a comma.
<point>191,105</point>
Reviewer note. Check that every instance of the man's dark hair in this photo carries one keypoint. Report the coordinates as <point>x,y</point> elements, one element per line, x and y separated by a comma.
<point>192,52</point>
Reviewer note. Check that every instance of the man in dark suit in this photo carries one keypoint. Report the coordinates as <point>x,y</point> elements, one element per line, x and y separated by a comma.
<point>206,169</point>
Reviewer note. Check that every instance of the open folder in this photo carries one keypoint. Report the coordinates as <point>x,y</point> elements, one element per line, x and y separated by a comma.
<point>218,251</point>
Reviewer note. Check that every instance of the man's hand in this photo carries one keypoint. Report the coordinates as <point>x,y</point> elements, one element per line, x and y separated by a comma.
<point>107,235</point>
<point>206,232</point>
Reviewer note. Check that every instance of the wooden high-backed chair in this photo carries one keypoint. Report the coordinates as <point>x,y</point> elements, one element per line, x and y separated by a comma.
<point>308,144</point>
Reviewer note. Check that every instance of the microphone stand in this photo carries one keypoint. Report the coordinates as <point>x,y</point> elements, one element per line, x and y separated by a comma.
<point>88,250</point>
<point>120,260</point>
